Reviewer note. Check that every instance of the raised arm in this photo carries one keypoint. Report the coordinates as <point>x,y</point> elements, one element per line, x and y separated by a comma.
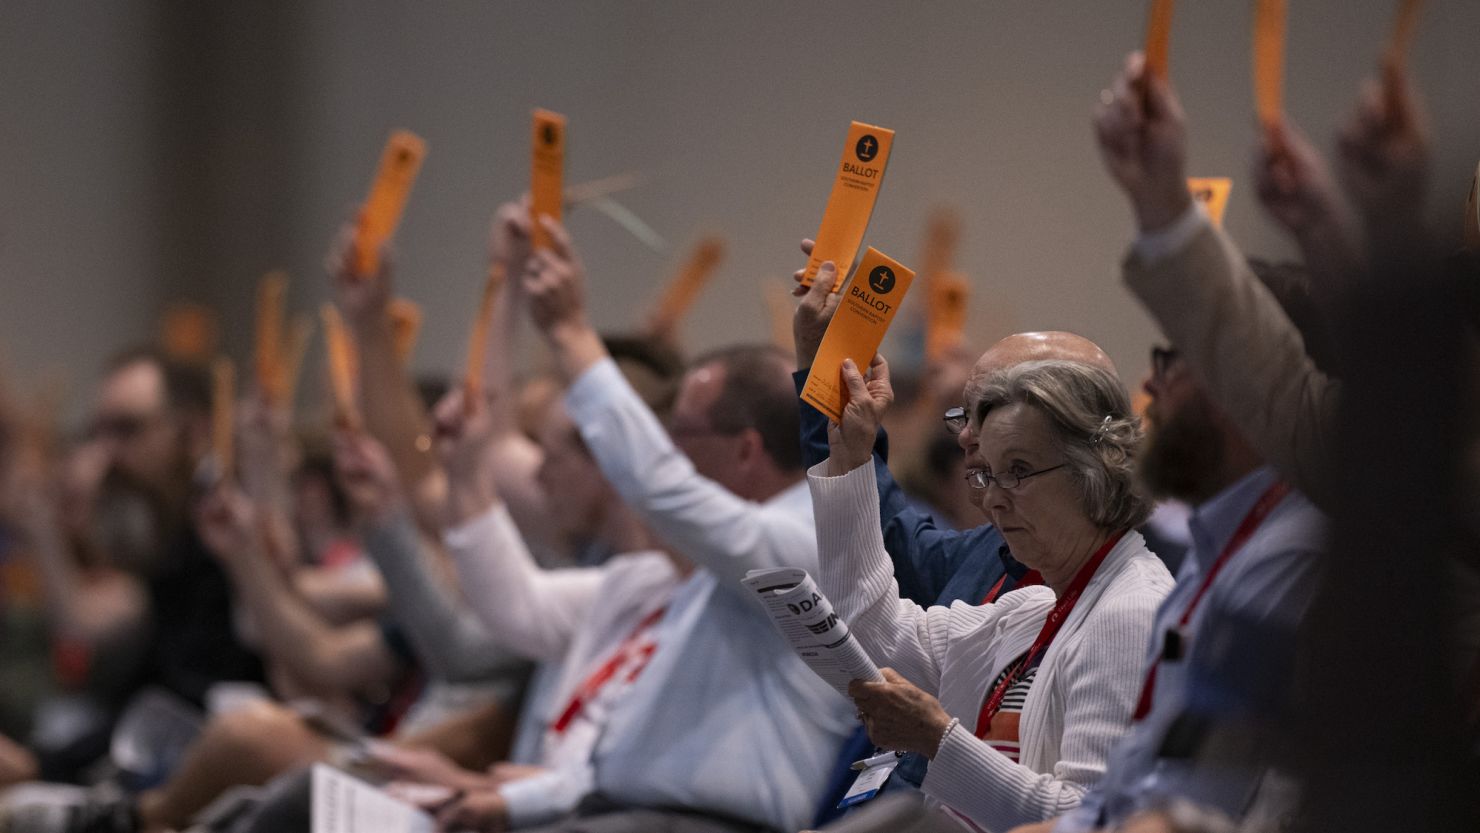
<point>1198,286</point>
<point>854,570</point>
<point>1298,191</point>
<point>450,639</point>
<point>698,517</point>
<point>531,611</point>
<point>393,410</point>
<point>925,556</point>
<point>330,661</point>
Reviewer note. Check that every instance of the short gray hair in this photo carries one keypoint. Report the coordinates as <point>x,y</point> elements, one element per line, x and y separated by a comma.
<point>1093,426</point>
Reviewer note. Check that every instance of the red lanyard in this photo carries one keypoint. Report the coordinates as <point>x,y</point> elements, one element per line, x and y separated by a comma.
<point>1029,579</point>
<point>1056,617</point>
<point>1246,529</point>
<point>593,684</point>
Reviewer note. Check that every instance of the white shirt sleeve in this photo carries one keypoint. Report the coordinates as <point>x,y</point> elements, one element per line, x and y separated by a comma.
<point>700,519</point>
<point>1159,245</point>
<point>856,575</point>
<point>532,611</point>
<point>543,798</point>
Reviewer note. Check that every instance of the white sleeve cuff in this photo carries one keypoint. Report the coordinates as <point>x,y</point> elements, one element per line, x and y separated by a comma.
<point>593,389</point>
<point>470,534</point>
<point>543,798</point>
<point>1159,245</point>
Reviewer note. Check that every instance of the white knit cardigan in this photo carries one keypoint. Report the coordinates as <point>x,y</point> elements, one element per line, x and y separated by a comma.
<point>1082,697</point>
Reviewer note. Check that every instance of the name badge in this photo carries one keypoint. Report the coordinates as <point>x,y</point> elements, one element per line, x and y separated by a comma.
<point>868,783</point>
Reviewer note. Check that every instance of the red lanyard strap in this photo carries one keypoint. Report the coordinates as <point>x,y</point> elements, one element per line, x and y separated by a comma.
<point>1246,529</point>
<point>1056,617</point>
<point>593,684</point>
<point>1029,579</point>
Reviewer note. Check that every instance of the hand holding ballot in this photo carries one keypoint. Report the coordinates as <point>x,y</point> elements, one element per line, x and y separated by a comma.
<point>1143,141</point>
<point>1384,149</point>
<point>464,432</point>
<point>898,715</point>
<point>362,298</point>
<point>815,312</point>
<point>555,282</point>
<point>851,441</point>
<point>368,477</point>
<point>1294,184</point>
<point>511,237</point>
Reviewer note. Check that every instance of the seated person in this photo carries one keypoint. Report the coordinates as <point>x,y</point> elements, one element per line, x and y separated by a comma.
<point>1035,688</point>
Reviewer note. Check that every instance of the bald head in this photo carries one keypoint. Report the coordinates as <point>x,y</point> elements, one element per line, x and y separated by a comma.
<point>1027,347</point>
<point>1033,347</point>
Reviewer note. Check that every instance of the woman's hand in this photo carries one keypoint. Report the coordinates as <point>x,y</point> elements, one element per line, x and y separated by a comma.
<point>368,477</point>
<point>851,442</point>
<point>898,715</point>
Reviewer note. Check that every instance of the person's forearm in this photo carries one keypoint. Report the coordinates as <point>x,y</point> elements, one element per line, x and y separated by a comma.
<point>448,637</point>
<point>533,612</point>
<point>290,633</point>
<point>469,496</point>
<point>394,414</point>
<point>577,346</point>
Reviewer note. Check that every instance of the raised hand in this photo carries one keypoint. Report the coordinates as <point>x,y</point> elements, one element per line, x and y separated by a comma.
<point>510,235</point>
<point>815,312</point>
<point>851,442</point>
<point>368,477</point>
<point>361,298</point>
<point>554,281</point>
<point>1142,135</point>
<point>227,522</point>
<point>1384,149</point>
<point>1292,180</point>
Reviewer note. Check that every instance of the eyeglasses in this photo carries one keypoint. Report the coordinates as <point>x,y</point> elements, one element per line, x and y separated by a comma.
<point>955,420</point>
<point>1162,359</point>
<point>1007,480</point>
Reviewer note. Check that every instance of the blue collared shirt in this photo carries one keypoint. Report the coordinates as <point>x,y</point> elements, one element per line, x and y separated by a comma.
<point>1267,584</point>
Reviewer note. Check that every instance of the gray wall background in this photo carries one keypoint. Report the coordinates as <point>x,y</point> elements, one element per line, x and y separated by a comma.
<point>156,150</point>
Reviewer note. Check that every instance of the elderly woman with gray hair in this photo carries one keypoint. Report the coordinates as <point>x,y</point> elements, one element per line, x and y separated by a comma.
<point>1018,702</point>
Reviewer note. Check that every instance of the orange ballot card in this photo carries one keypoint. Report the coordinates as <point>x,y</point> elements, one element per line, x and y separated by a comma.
<point>296,347</point>
<point>860,173</point>
<point>1269,60</point>
<point>856,330</point>
<point>546,171</point>
<point>223,414</point>
<point>267,361</point>
<point>380,215</point>
<point>405,316</point>
<point>478,341</point>
<point>189,332</point>
<point>1405,26</point>
<point>684,289</point>
<point>946,290</point>
<point>1159,37</point>
<point>945,313</point>
<point>342,368</point>
<point>1212,192</point>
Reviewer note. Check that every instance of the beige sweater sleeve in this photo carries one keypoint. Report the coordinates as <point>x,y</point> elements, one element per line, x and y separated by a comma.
<point>1251,357</point>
